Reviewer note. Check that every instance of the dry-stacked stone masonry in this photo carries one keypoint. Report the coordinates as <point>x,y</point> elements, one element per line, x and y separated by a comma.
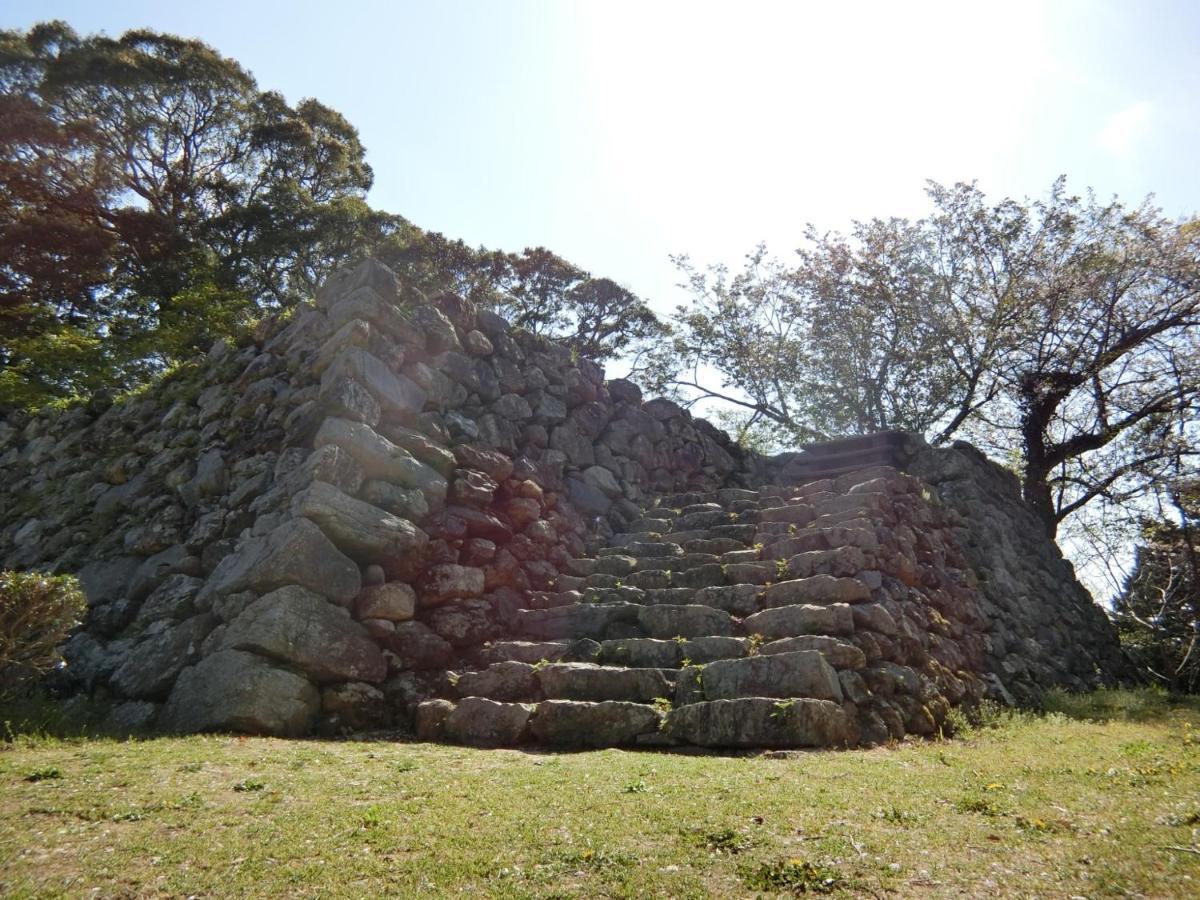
<point>392,509</point>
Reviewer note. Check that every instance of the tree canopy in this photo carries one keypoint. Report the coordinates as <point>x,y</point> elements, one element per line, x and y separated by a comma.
<point>152,197</point>
<point>1061,332</point>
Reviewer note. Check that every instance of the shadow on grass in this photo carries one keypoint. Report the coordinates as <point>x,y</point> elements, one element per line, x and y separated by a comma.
<point>1148,704</point>
<point>37,716</point>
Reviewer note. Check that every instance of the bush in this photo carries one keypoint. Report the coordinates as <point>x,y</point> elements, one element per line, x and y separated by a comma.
<point>37,612</point>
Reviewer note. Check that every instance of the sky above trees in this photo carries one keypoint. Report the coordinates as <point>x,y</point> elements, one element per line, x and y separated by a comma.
<point>618,133</point>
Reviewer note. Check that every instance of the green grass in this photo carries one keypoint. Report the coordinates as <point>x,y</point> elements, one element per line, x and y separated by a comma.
<point>1099,796</point>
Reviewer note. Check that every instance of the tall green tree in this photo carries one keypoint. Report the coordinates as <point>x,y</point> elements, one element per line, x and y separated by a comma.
<point>160,197</point>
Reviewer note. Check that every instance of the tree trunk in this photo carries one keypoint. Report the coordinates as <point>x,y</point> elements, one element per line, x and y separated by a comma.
<point>1035,485</point>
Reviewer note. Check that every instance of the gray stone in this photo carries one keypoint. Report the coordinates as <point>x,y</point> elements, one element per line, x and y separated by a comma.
<point>407,503</point>
<point>574,621</point>
<point>789,621</point>
<point>304,630</point>
<point>235,691</point>
<point>348,399</point>
<point>761,722</point>
<point>352,706</point>
<point>448,581</point>
<point>477,344</point>
<point>380,458</point>
<point>606,724</point>
<point>839,654</point>
<point>150,668</point>
<point>394,601</point>
<point>735,599</point>
<point>364,532</point>
<point>816,589</point>
<point>874,617</point>
<point>170,600</point>
<point>105,580</point>
<point>602,480</point>
<point>486,723</point>
<point>354,333</point>
<point>295,553</point>
<point>133,717</point>
<point>587,499</point>
<point>512,407</point>
<point>587,681</point>
<point>670,621</point>
<point>624,391</point>
<point>430,719</point>
<point>417,647</point>
<point>421,446</point>
<point>803,673</point>
<point>508,681</point>
<point>463,623</point>
<point>842,561</point>
<point>172,561</point>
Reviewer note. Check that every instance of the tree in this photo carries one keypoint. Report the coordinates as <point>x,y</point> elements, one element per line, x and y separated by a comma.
<point>595,317</point>
<point>1159,611</point>
<point>1061,331</point>
<point>155,199</point>
<point>535,289</point>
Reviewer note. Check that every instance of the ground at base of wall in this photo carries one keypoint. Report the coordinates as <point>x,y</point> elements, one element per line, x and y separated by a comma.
<point>1097,798</point>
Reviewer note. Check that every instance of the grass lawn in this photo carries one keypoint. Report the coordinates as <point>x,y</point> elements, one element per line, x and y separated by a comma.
<point>1099,798</point>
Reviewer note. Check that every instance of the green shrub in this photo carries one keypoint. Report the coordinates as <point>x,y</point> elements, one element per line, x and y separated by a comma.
<point>37,612</point>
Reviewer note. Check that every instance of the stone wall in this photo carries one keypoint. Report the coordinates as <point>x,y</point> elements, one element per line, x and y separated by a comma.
<point>321,528</point>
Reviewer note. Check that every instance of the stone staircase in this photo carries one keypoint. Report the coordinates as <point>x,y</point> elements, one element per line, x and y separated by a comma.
<point>785,616</point>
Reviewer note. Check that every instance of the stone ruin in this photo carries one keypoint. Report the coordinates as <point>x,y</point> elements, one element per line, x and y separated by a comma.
<point>394,511</point>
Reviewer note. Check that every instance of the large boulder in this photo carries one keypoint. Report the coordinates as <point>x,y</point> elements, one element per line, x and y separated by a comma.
<point>236,691</point>
<point>380,458</point>
<point>296,552</point>
<point>486,723</point>
<point>397,395</point>
<point>365,532</point>
<point>307,632</point>
<point>150,668</point>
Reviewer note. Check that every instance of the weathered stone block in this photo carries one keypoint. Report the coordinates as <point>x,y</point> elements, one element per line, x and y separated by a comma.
<point>302,629</point>
<point>295,553</point>
<point>235,691</point>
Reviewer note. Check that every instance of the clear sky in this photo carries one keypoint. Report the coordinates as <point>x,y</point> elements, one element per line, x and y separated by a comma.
<point>616,133</point>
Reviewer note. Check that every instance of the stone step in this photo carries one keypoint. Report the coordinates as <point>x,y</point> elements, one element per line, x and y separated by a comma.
<point>670,654</point>
<point>799,673</point>
<point>714,545</point>
<point>640,546</point>
<point>514,682</point>
<point>618,541</point>
<point>839,654</point>
<point>593,682</point>
<point>538,651</point>
<point>736,599</point>
<point>706,518</point>
<point>688,560</point>
<point>747,722</point>
<point>790,621</point>
<point>607,723</point>
<point>578,620</point>
<point>761,722</point>
<point>817,589</point>
<point>687,621</point>
<point>652,525</point>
